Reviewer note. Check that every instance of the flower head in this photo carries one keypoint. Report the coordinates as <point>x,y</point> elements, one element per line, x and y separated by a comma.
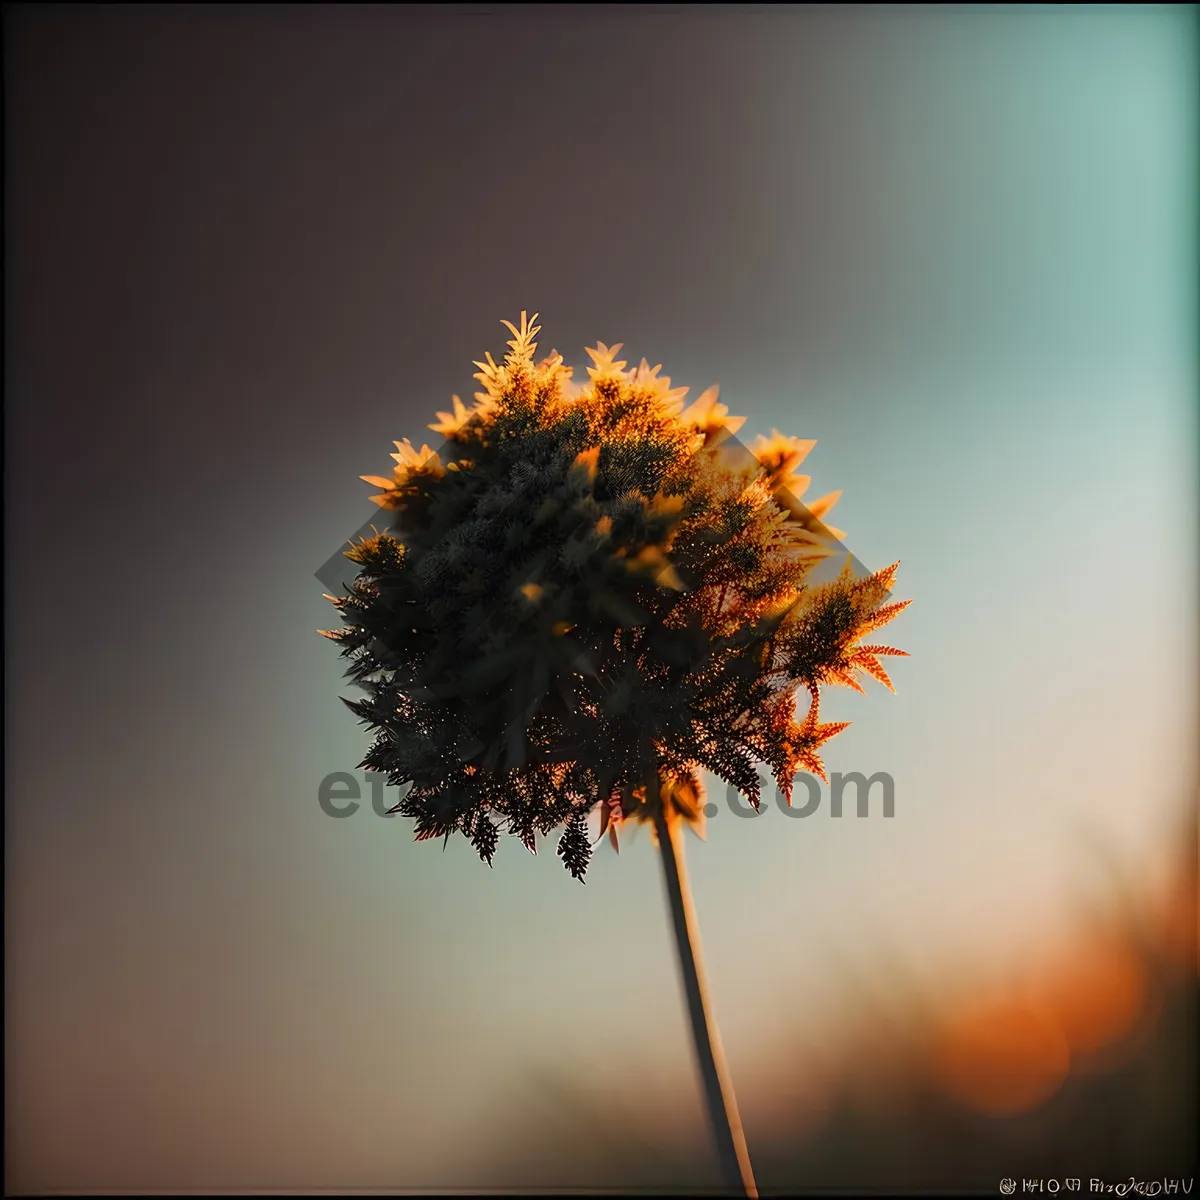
<point>599,599</point>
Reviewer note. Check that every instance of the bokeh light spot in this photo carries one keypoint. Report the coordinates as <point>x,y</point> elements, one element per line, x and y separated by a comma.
<point>1003,1056</point>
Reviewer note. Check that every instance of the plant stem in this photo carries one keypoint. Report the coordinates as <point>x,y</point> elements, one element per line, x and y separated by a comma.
<point>723,1115</point>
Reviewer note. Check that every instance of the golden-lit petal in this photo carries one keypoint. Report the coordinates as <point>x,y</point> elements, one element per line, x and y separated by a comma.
<point>672,402</point>
<point>796,485</point>
<point>781,451</point>
<point>606,368</point>
<point>699,409</point>
<point>870,664</point>
<point>825,732</point>
<point>604,355</point>
<point>522,344</point>
<point>449,423</point>
<point>885,577</point>
<point>762,444</point>
<point>818,508</point>
<point>845,679</point>
<point>812,765</point>
<point>881,616</point>
<point>377,481</point>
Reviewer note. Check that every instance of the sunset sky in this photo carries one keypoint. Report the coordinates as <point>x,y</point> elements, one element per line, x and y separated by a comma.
<point>250,246</point>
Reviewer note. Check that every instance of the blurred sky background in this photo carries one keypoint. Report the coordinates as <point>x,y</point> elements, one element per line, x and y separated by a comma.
<point>247,247</point>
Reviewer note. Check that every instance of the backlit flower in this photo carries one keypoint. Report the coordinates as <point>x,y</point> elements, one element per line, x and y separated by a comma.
<point>601,599</point>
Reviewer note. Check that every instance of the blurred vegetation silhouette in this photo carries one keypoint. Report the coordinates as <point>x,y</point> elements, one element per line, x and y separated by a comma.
<point>1086,1070</point>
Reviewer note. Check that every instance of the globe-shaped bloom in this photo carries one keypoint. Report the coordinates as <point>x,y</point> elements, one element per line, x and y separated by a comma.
<point>592,601</point>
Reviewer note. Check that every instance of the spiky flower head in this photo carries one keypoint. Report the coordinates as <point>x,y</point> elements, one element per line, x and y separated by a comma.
<point>593,601</point>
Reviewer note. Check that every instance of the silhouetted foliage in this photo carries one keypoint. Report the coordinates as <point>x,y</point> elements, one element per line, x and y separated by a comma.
<point>594,600</point>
